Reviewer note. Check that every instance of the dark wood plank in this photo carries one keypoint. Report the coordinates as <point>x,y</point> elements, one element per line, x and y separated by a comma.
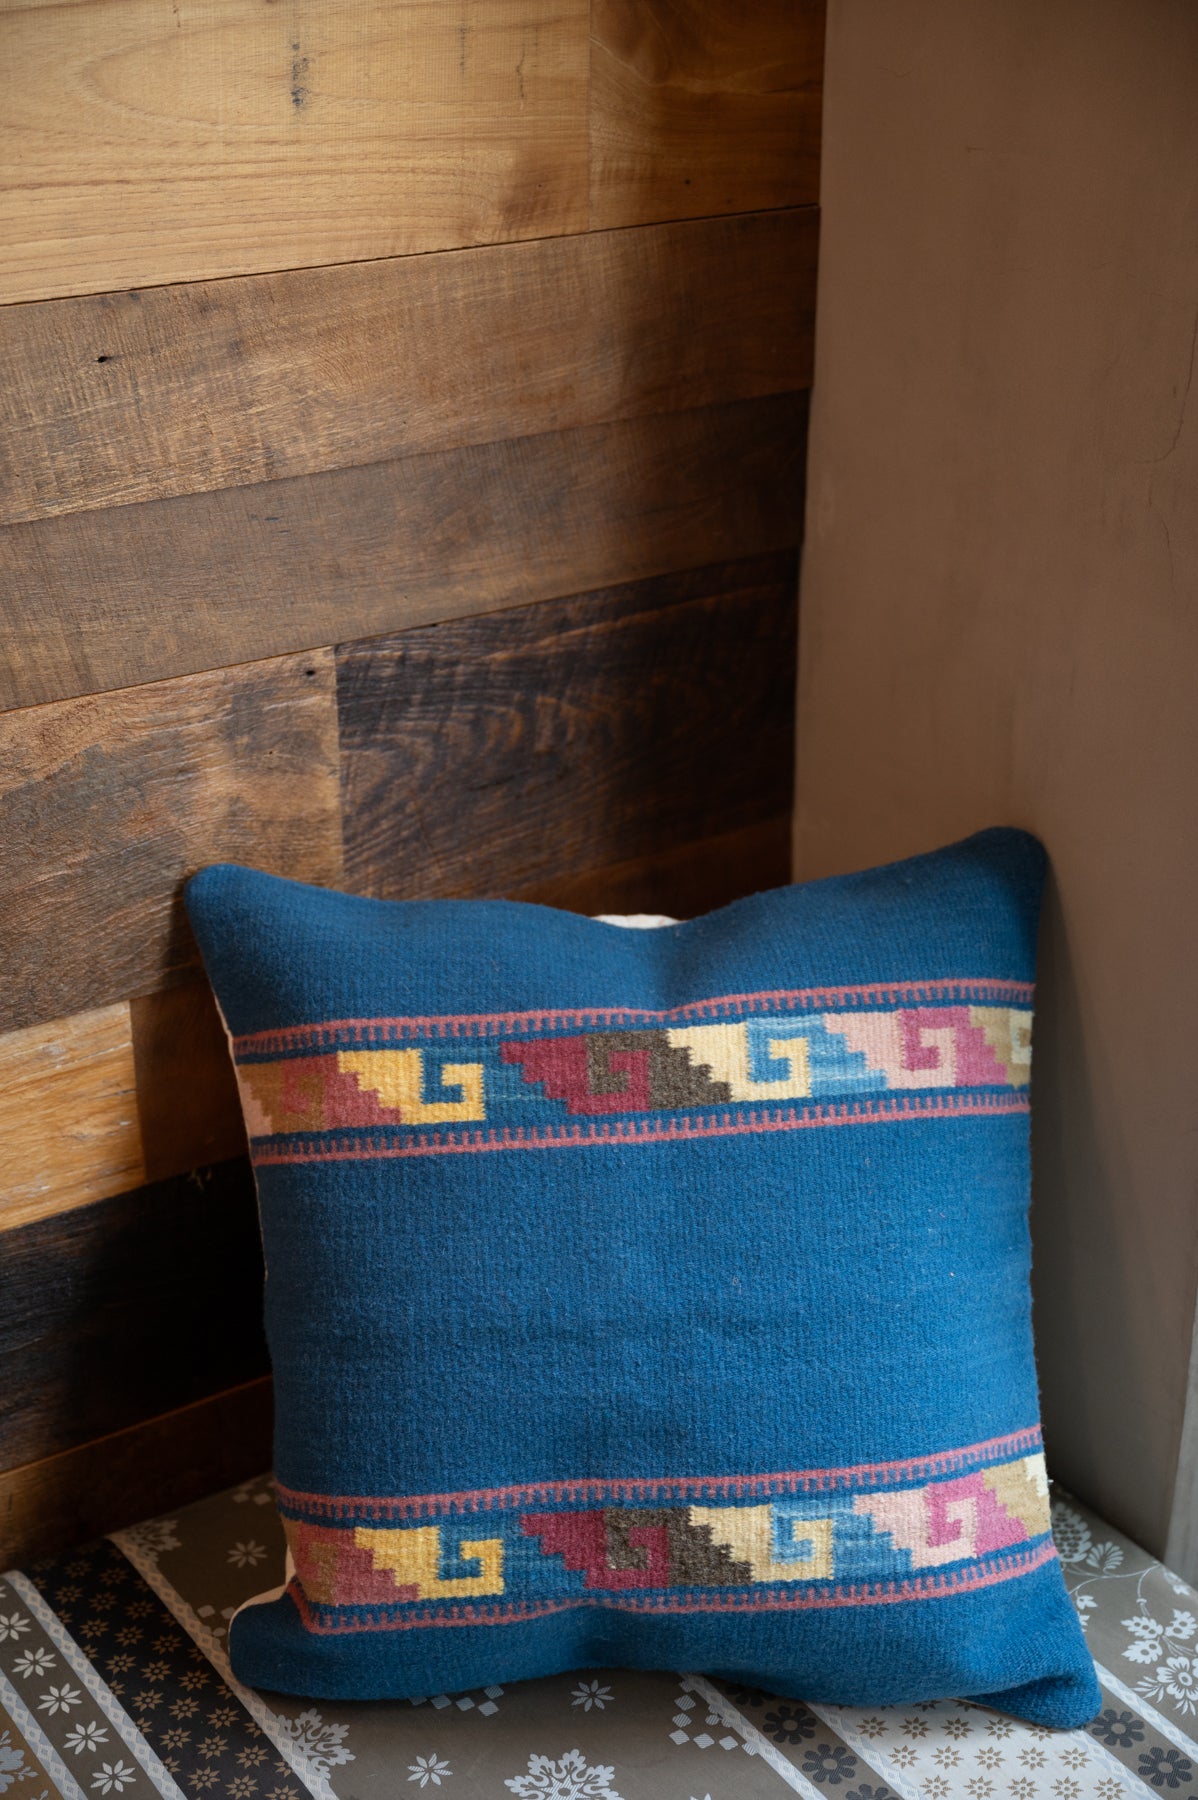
<point>127,397</point>
<point>107,803</point>
<point>681,881</point>
<point>101,599</point>
<point>187,1100</point>
<point>700,107</point>
<point>153,144</point>
<point>127,1308</point>
<point>485,756</point>
<point>152,1467</point>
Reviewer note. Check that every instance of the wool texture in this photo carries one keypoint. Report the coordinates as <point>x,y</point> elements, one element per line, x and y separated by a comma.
<point>652,1298</point>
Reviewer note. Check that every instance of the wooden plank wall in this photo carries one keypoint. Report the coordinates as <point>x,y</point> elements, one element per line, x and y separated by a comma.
<point>402,422</point>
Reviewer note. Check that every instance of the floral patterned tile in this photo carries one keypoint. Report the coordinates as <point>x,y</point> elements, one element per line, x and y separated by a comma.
<point>1140,1619</point>
<point>114,1681</point>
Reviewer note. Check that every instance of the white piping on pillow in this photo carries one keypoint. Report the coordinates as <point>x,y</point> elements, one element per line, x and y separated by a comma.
<point>640,921</point>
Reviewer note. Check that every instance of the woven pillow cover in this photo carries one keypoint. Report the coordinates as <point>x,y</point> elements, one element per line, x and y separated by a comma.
<point>652,1298</point>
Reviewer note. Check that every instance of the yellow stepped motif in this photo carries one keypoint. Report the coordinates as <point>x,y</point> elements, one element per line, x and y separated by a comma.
<point>397,1077</point>
<point>1021,1489</point>
<point>724,1050</point>
<point>413,1557</point>
<point>747,1531</point>
<point>1008,1031</point>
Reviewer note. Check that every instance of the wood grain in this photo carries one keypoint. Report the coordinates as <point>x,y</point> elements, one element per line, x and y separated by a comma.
<point>69,1128</point>
<point>107,803</point>
<point>127,1308</point>
<point>149,1468</point>
<point>485,755</point>
<point>186,1090</point>
<point>699,107</point>
<point>222,136</point>
<point>127,397</point>
<point>680,881</point>
<point>135,593</point>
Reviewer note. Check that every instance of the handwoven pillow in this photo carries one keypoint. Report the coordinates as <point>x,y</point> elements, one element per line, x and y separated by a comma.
<point>655,1298</point>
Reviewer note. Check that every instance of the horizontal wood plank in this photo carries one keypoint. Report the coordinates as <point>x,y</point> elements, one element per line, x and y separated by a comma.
<point>186,1090</point>
<point>680,881</point>
<point>483,756</point>
<point>134,593</point>
<point>127,397</point>
<point>69,1126</point>
<point>149,144</point>
<point>701,107</point>
<point>128,1308</point>
<point>107,803</point>
<point>149,1468</point>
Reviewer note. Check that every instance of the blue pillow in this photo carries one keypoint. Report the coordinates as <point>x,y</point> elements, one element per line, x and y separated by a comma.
<point>655,1298</point>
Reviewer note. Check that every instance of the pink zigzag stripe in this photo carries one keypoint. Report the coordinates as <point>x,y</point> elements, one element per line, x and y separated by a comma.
<point>680,1487</point>
<point>964,987</point>
<point>270,1152</point>
<point>923,1587</point>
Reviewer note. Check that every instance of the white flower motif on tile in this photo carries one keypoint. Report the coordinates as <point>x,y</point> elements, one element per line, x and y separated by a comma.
<point>570,1778</point>
<point>1106,1558</point>
<point>322,1744</point>
<point>114,1778</point>
<point>247,1556</point>
<point>35,1662</point>
<point>1146,1635</point>
<point>12,1625</point>
<point>1070,1533</point>
<point>1178,1679</point>
<point>12,1762</point>
<point>86,1737</point>
<point>153,1538</point>
<point>428,1770</point>
<point>590,1693</point>
<point>1182,1625</point>
<point>59,1699</point>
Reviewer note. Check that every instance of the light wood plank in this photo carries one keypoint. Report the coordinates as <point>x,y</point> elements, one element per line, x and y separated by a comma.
<point>147,143</point>
<point>128,397</point>
<point>135,593</point>
<point>107,803</point>
<point>69,1127</point>
<point>151,1467</point>
<point>701,107</point>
